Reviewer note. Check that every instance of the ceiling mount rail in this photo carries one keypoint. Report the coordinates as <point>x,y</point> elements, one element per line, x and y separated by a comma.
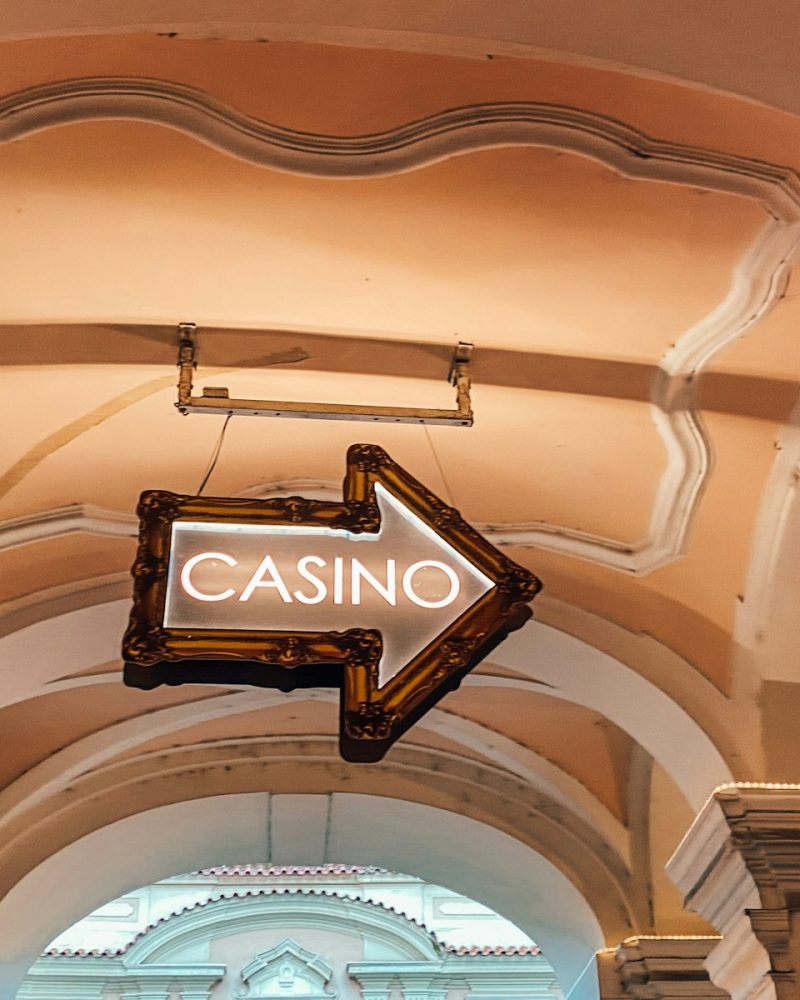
<point>216,399</point>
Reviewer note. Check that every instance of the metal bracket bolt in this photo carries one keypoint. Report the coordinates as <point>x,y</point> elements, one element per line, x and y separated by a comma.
<point>217,399</point>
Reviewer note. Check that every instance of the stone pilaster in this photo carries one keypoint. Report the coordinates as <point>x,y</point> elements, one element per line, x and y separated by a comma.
<point>609,983</point>
<point>658,968</point>
<point>739,867</point>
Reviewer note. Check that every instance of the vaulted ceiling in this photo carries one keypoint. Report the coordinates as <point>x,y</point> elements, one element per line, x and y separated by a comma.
<point>620,247</point>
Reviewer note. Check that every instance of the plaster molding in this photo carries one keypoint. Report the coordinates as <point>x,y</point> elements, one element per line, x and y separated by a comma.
<point>661,968</point>
<point>25,800</point>
<point>528,977</point>
<point>93,752</point>
<point>80,977</point>
<point>763,820</point>
<point>698,761</point>
<point>770,565</point>
<point>757,284</point>
<point>709,872</point>
<point>660,667</point>
<point>517,759</point>
<point>63,599</point>
<point>89,638</point>
<point>739,867</point>
<point>47,525</point>
<point>407,147</point>
<point>740,965</point>
<point>259,975</point>
<point>257,908</point>
<point>558,835</point>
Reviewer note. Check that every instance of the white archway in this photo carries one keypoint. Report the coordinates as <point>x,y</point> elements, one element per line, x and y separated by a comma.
<point>449,849</point>
<point>580,673</point>
<point>571,669</point>
<point>437,845</point>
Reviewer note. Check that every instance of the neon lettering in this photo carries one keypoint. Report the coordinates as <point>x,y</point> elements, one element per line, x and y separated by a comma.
<point>186,576</point>
<point>408,584</point>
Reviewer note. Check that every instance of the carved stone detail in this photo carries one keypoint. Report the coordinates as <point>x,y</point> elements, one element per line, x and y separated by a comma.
<point>658,968</point>
<point>287,970</point>
<point>739,866</point>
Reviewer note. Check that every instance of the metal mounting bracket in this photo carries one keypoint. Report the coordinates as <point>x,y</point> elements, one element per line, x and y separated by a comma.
<point>217,400</point>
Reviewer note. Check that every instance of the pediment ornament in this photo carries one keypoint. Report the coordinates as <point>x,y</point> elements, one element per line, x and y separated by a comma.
<point>289,971</point>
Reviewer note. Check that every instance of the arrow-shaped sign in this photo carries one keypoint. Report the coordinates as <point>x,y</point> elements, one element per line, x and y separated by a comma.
<point>388,594</point>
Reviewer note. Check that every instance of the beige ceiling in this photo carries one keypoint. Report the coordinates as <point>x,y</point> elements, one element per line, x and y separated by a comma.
<point>751,54</point>
<point>630,294</point>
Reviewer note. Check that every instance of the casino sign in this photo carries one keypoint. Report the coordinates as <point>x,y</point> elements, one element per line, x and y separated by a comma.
<point>388,595</point>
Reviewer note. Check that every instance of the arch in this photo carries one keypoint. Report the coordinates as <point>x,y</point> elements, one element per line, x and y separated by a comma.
<point>448,849</point>
<point>598,681</point>
<point>83,639</point>
<point>311,766</point>
<point>241,909</point>
<point>590,853</point>
<point>100,798</point>
<point>96,749</point>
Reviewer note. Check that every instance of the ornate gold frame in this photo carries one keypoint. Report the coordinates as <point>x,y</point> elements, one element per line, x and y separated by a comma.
<point>372,718</point>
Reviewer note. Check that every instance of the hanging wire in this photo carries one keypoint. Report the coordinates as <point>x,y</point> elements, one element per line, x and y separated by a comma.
<point>436,459</point>
<point>212,464</point>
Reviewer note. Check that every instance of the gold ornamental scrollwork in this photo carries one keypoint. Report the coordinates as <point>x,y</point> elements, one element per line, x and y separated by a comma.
<point>373,716</point>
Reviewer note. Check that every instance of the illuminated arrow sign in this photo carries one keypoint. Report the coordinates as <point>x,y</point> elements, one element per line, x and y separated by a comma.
<point>388,594</point>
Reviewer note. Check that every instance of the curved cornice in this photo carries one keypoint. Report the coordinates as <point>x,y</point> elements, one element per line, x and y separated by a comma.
<point>673,712</point>
<point>60,521</point>
<point>408,147</point>
<point>254,908</point>
<point>756,286</point>
<point>93,752</point>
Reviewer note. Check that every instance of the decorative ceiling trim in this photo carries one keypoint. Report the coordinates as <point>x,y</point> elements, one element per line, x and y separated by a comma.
<point>572,844</point>
<point>63,599</point>
<point>771,564</point>
<point>458,130</point>
<point>757,283</point>
<point>98,750</point>
<point>47,525</point>
<point>648,691</point>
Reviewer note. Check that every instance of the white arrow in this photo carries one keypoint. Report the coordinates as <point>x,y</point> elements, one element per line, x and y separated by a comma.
<point>404,580</point>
